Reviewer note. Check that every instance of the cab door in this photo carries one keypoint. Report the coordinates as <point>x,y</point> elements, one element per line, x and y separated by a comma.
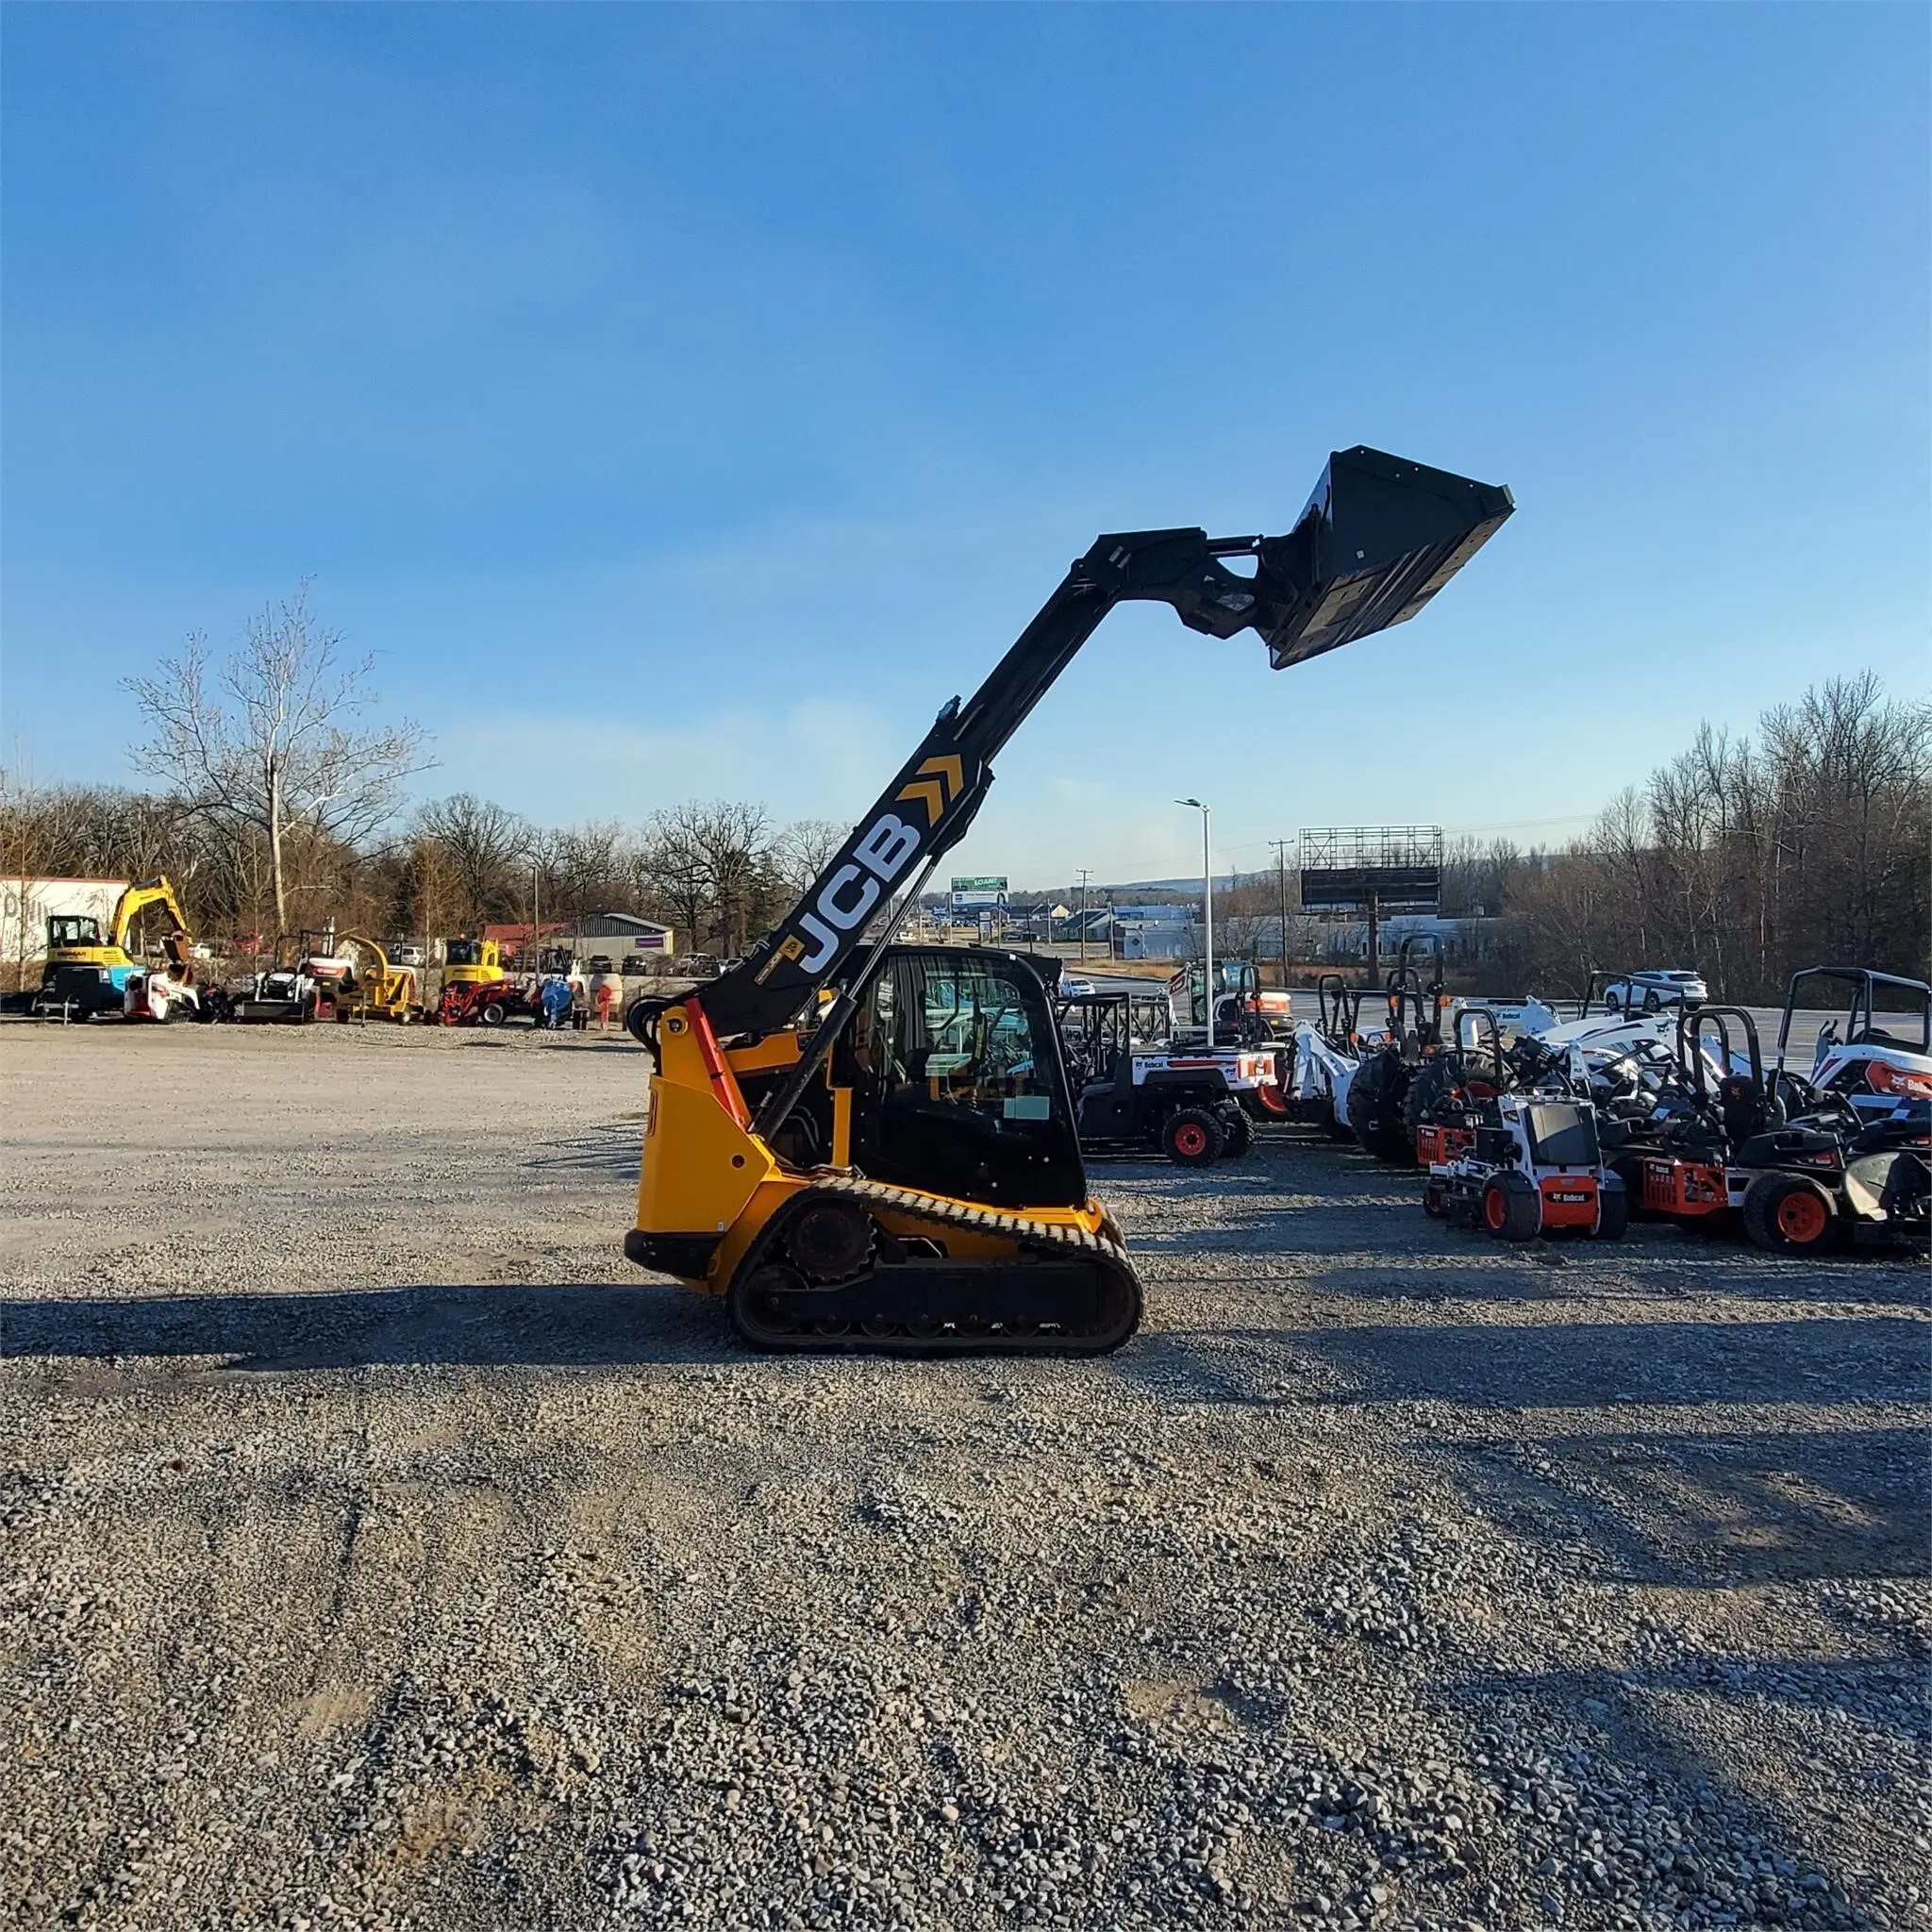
<point>957,1082</point>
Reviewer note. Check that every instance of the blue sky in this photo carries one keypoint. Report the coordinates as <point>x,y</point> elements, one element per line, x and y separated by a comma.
<point>686,401</point>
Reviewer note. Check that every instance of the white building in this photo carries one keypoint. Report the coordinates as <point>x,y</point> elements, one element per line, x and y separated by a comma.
<point>27,904</point>
<point>631,942</point>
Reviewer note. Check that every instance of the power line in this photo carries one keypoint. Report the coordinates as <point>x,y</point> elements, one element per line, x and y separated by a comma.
<point>1280,846</point>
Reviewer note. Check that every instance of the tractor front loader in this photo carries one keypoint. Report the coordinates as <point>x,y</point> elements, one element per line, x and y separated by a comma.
<point>860,1145</point>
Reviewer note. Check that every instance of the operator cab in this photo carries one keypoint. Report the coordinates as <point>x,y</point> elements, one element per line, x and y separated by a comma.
<point>65,930</point>
<point>958,1084</point>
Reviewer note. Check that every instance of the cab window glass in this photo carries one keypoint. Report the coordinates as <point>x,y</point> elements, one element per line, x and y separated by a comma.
<point>954,1033</point>
<point>963,1089</point>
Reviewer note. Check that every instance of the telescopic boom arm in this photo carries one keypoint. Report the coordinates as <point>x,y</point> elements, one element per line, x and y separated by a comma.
<point>1378,539</point>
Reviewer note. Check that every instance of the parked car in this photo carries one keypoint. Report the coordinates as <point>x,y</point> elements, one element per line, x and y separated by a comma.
<point>402,954</point>
<point>697,966</point>
<point>1654,987</point>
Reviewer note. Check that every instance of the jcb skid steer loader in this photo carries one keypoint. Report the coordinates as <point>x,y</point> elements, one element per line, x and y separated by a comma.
<point>864,1145</point>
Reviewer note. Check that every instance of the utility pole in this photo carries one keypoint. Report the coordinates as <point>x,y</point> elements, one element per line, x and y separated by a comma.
<point>1085,874</point>
<point>428,851</point>
<point>1280,846</point>
<point>1207,909</point>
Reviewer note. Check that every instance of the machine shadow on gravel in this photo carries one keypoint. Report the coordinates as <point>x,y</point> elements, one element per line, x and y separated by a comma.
<point>484,1326</point>
<point>1699,1512</point>
<point>613,1152</point>
<point>1326,1228</point>
<point>1739,1838</point>
<point>1590,1364</point>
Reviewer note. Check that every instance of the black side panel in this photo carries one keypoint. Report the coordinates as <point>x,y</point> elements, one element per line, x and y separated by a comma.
<point>1789,1144</point>
<point>1209,1084</point>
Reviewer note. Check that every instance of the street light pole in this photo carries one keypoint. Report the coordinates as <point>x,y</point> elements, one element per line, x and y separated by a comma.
<point>1084,875</point>
<point>1206,910</point>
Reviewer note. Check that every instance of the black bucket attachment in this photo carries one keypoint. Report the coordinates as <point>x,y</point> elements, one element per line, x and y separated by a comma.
<point>1379,538</point>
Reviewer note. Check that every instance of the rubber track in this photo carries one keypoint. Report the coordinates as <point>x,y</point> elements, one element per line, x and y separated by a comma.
<point>944,1214</point>
<point>950,1214</point>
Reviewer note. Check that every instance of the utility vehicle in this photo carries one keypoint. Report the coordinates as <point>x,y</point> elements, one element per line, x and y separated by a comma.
<point>1135,1089</point>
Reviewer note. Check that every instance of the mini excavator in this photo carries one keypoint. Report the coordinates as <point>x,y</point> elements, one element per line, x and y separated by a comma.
<point>86,974</point>
<point>868,1146</point>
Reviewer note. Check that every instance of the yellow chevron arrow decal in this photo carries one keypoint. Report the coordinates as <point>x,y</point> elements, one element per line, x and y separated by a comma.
<point>930,792</point>
<point>950,769</point>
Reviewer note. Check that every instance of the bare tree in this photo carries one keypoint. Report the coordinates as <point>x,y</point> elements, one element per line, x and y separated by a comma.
<point>711,867</point>
<point>585,870</point>
<point>481,850</point>
<point>800,851</point>
<point>1247,917</point>
<point>275,739</point>
<point>23,841</point>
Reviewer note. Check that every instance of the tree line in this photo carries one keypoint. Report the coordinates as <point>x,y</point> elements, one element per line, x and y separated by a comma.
<point>1805,842</point>
<point>280,804</point>
<point>720,874</point>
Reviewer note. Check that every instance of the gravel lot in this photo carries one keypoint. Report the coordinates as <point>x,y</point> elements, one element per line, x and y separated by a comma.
<point>380,1550</point>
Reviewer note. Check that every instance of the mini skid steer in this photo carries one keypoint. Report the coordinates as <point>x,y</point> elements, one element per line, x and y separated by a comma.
<point>864,1145</point>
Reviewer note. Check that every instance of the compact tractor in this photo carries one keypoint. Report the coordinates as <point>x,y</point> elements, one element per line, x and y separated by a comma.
<point>898,1167</point>
<point>548,1003</point>
<point>476,990</point>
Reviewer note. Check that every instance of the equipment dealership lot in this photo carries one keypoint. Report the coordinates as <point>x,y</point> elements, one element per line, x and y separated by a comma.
<point>382,1550</point>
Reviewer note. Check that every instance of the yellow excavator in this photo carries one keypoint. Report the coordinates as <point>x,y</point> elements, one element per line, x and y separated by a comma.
<point>471,962</point>
<point>86,975</point>
<point>375,986</point>
<point>897,1167</point>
